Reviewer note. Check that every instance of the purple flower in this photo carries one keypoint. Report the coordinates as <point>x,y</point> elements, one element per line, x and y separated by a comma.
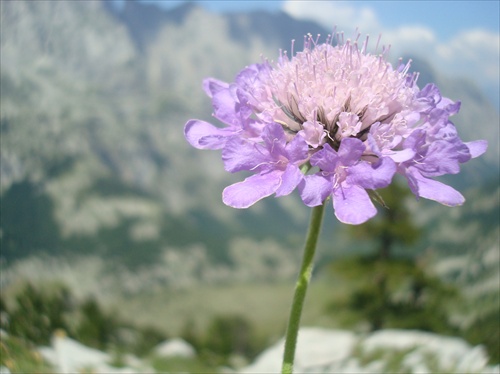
<point>342,110</point>
<point>435,156</point>
<point>276,163</point>
<point>345,177</point>
<point>233,106</point>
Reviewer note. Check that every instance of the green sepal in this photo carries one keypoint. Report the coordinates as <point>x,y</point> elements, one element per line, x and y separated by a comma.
<point>375,196</point>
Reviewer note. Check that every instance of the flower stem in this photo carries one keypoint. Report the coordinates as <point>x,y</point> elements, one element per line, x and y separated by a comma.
<point>301,288</point>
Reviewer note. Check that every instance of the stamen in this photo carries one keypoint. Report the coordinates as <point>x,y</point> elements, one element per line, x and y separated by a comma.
<point>357,50</point>
<point>358,34</point>
<point>365,44</point>
<point>416,75</point>
<point>350,55</point>
<point>317,38</point>
<point>285,56</point>
<point>378,41</point>
<point>334,35</point>
<point>407,67</point>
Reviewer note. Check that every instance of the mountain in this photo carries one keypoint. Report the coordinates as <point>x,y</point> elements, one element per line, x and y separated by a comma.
<point>93,104</point>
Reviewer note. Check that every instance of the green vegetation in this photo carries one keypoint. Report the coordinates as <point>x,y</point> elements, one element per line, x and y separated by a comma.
<point>485,330</point>
<point>182,365</point>
<point>28,221</point>
<point>38,312</point>
<point>392,291</point>
<point>391,287</point>
<point>226,334</point>
<point>392,359</point>
<point>393,294</point>
<point>19,356</point>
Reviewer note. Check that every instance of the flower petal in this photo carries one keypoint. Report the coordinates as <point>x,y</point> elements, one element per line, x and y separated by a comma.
<point>367,176</point>
<point>289,180</point>
<point>275,139</point>
<point>211,86</point>
<point>314,189</point>
<point>326,159</point>
<point>313,133</point>
<point>204,135</point>
<point>297,150</point>
<point>224,103</point>
<point>432,189</point>
<point>401,156</point>
<point>477,148</point>
<point>241,154</point>
<point>246,193</point>
<point>444,157</point>
<point>350,151</point>
<point>353,205</point>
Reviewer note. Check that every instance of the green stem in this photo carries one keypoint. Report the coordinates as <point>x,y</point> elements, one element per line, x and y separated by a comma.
<point>301,288</point>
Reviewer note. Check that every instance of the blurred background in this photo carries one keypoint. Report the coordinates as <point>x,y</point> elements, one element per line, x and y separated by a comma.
<point>113,229</point>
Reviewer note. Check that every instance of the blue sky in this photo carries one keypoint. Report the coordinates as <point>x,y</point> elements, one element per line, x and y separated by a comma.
<point>460,38</point>
<point>445,17</point>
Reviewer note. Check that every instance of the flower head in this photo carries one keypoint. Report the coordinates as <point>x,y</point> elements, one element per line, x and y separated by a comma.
<point>275,163</point>
<point>342,110</point>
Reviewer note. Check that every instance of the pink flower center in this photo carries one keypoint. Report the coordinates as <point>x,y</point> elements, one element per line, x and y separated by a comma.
<point>344,89</point>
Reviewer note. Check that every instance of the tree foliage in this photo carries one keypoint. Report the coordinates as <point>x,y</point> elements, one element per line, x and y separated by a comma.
<point>389,290</point>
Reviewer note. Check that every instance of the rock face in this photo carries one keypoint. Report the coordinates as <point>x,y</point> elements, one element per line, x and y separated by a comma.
<point>316,348</point>
<point>175,348</point>
<point>93,106</point>
<point>333,351</point>
<point>69,356</point>
<point>318,351</point>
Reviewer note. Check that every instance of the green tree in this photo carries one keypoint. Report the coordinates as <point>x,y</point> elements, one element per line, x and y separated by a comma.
<point>38,314</point>
<point>96,328</point>
<point>485,330</point>
<point>389,290</point>
<point>227,335</point>
<point>28,222</point>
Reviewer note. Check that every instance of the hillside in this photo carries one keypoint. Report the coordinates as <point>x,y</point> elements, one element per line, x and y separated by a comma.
<point>93,104</point>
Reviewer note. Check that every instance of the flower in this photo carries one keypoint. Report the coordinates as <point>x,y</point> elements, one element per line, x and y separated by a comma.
<point>276,163</point>
<point>333,120</point>
<point>345,177</point>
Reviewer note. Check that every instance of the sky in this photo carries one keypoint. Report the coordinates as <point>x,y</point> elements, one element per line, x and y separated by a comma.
<point>445,17</point>
<point>461,38</point>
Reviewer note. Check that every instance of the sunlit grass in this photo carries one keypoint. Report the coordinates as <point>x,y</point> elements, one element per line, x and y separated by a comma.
<point>266,306</point>
<point>20,356</point>
<point>181,365</point>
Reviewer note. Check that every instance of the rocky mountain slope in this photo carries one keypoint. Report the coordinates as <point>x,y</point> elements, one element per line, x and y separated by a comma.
<point>93,104</point>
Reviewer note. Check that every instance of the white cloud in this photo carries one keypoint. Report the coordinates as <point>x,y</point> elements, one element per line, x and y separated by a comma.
<point>410,37</point>
<point>331,14</point>
<point>346,18</point>
<point>410,40</point>
<point>475,48</point>
<point>472,53</point>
